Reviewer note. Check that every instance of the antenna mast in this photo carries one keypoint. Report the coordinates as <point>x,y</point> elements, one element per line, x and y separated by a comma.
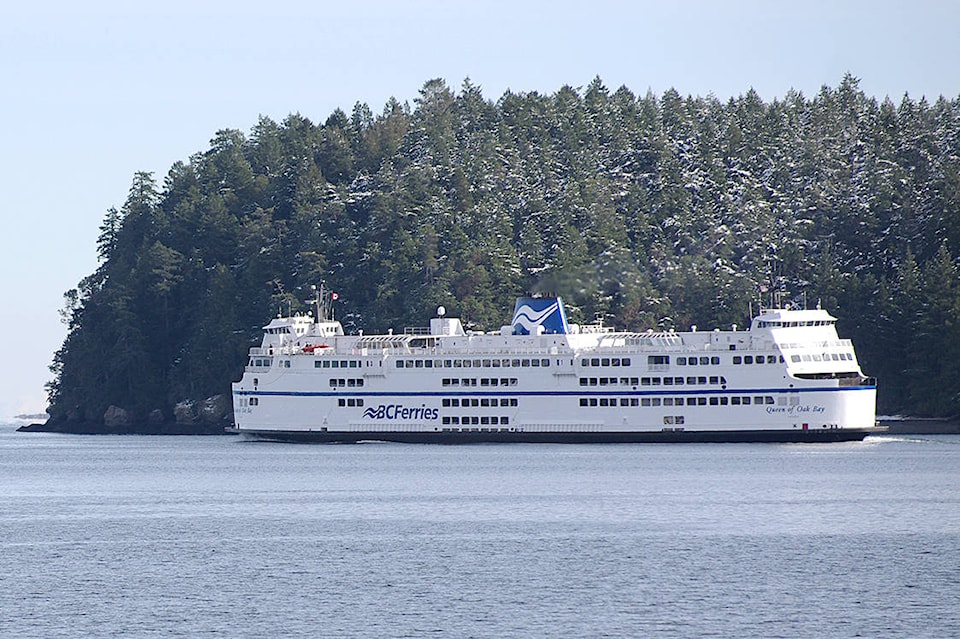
<point>323,302</point>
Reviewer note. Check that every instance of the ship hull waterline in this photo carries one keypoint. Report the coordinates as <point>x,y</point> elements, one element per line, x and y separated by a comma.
<point>825,435</point>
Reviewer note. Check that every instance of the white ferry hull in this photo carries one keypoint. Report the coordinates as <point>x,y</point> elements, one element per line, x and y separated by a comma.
<point>787,379</point>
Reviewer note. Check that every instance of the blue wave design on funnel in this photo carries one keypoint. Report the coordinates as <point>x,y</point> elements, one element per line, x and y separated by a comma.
<point>531,312</point>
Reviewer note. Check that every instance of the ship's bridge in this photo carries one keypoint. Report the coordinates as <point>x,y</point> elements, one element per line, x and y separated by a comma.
<point>808,342</point>
<point>286,331</point>
<point>786,318</point>
<point>296,325</point>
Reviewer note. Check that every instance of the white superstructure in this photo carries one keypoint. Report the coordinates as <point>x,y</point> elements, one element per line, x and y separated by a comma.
<point>789,377</point>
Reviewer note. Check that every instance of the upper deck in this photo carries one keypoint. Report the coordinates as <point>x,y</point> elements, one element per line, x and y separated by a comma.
<point>805,342</point>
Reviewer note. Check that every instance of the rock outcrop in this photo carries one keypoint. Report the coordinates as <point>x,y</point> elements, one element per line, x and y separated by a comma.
<point>208,417</point>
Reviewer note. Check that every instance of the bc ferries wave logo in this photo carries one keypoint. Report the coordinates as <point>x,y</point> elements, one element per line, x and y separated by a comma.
<point>529,313</point>
<point>399,411</point>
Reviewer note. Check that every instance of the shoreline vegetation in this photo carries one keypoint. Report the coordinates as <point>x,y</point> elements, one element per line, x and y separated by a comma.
<point>648,212</point>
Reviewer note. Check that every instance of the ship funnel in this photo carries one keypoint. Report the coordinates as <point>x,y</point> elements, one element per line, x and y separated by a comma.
<point>535,315</point>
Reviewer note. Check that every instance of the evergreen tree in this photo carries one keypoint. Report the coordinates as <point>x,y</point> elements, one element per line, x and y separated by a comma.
<point>643,211</point>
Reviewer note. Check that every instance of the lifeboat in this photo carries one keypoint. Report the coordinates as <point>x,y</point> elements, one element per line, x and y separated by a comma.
<point>310,348</point>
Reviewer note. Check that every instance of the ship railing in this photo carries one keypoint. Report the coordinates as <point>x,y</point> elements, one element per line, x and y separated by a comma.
<point>586,329</point>
<point>628,340</point>
<point>385,342</point>
<point>287,349</point>
<point>677,349</point>
<point>274,350</point>
<point>479,352</point>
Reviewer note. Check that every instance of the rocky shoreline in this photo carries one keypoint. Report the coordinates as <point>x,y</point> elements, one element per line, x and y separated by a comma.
<point>94,428</point>
<point>211,416</point>
<point>920,425</point>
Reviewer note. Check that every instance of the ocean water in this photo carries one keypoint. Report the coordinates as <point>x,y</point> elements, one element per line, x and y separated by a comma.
<point>104,536</point>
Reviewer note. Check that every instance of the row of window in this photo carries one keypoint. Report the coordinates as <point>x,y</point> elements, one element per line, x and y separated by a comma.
<point>609,401</point>
<point>782,324</point>
<point>653,381</point>
<point>282,330</point>
<point>610,381</point>
<point>605,361</point>
<point>484,402</point>
<point>698,361</point>
<point>655,360</point>
<point>825,357</point>
<point>664,360</point>
<point>737,400</point>
<point>759,359</point>
<point>346,383</point>
<point>473,363</point>
<point>456,402</point>
<point>266,362</point>
<point>484,381</point>
<point>336,363</point>
<point>467,420</point>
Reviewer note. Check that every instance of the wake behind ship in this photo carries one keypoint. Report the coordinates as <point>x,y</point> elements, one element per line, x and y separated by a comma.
<point>787,378</point>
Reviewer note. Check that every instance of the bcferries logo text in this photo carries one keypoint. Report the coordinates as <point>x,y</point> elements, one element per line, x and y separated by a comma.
<point>399,411</point>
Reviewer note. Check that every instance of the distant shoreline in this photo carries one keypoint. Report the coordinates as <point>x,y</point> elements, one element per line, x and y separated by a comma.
<point>93,428</point>
<point>32,416</point>
<point>920,425</point>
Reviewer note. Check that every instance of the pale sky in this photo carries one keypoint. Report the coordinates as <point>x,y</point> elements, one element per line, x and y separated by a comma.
<point>94,91</point>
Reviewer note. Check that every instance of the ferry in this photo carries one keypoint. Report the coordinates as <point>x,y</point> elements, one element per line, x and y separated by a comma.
<point>788,377</point>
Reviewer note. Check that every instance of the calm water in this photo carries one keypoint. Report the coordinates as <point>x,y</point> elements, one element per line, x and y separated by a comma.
<point>190,537</point>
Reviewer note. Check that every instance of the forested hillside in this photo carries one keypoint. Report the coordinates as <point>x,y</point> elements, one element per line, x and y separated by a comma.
<point>650,211</point>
